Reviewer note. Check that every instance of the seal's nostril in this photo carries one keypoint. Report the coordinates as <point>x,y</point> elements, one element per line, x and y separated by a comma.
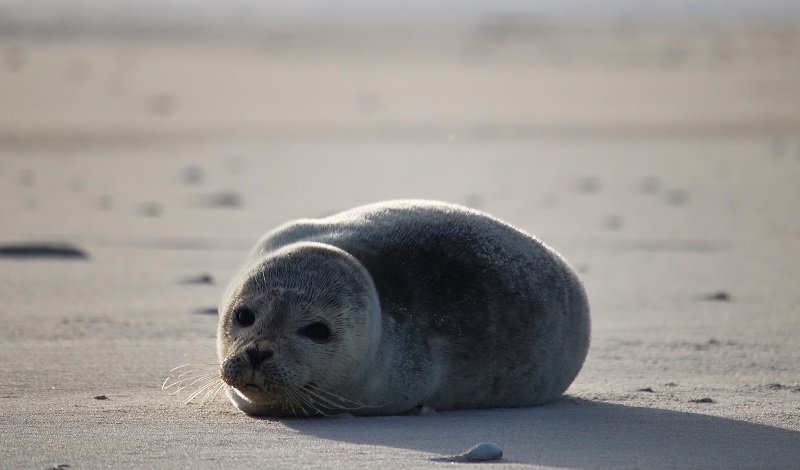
<point>257,356</point>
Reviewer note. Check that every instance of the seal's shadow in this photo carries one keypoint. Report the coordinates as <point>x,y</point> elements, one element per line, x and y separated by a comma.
<point>577,435</point>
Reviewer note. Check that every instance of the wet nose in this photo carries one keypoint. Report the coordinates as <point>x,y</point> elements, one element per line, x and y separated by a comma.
<point>256,356</point>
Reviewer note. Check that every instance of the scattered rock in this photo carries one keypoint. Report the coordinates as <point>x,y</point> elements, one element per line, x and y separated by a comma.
<point>101,397</point>
<point>775,386</point>
<point>671,384</point>
<point>204,278</point>
<point>60,466</point>
<point>207,311</point>
<point>721,296</point>
<point>225,199</point>
<point>702,400</point>
<point>41,251</point>
<point>646,389</point>
<point>483,452</point>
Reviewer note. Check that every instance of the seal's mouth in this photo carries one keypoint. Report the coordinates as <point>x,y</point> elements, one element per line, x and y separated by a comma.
<point>256,394</point>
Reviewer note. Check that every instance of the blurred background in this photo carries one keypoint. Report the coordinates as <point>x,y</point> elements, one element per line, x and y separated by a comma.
<point>513,102</point>
<point>415,70</point>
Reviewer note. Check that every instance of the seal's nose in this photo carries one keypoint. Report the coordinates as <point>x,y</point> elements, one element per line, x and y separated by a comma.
<point>257,356</point>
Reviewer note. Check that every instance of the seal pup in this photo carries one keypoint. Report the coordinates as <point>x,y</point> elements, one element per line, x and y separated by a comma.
<point>399,305</point>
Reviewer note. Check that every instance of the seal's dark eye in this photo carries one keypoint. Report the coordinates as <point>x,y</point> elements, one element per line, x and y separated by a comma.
<point>244,317</point>
<point>318,332</point>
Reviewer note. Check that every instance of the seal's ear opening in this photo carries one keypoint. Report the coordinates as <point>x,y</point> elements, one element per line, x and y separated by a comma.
<point>318,332</point>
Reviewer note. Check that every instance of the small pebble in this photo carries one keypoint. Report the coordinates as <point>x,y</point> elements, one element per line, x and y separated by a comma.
<point>702,400</point>
<point>42,250</point>
<point>483,452</point>
<point>224,199</point>
<point>101,397</point>
<point>646,389</point>
<point>207,311</point>
<point>204,278</point>
<point>720,296</point>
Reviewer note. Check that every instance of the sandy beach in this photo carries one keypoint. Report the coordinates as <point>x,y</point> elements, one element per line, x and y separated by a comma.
<point>664,165</point>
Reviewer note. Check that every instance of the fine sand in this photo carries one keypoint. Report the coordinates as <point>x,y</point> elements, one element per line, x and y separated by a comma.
<point>136,173</point>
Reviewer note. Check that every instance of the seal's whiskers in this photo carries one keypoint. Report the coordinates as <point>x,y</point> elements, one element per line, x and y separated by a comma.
<point>204,375</point>
<point>335,400</point>
<point>211,389</point>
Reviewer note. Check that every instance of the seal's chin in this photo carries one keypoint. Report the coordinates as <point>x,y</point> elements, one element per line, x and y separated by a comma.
<point>254,401</point>
<point>255,394</point>
<point>254,388</point>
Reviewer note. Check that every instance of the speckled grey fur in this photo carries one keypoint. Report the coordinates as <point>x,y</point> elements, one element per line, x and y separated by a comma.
<point>447,307</point>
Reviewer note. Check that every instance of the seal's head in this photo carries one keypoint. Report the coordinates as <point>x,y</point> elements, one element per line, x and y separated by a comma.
<point>296,329</point>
